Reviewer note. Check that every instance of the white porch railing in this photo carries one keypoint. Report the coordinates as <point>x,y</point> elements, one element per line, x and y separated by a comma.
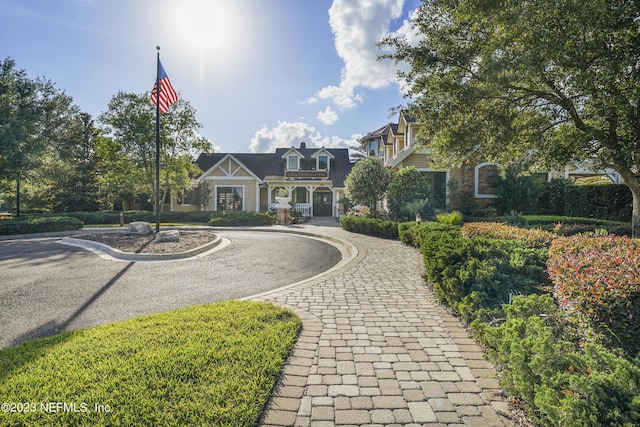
<point>303,209</point>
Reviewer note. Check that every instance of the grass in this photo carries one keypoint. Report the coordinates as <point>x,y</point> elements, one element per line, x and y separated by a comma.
<point>204,365</point>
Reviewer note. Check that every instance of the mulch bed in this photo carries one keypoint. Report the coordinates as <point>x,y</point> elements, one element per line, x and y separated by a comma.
<point>146,244</point>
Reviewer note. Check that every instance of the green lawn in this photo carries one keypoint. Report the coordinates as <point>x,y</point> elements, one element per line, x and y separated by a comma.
<point>204,365</point>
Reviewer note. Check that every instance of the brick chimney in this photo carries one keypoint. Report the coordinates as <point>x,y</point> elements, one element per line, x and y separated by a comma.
<point>303,145</point>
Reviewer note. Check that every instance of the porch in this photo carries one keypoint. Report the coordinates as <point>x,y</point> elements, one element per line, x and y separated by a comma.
<point>307,200</point>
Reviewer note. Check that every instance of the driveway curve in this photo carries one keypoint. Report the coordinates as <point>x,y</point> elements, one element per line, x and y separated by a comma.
<point>46,287</point>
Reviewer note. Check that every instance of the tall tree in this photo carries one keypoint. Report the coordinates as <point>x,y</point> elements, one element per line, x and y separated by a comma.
<point>367,182</point>
<point>130,123</point>
<point>72,167</point>
<point>32,115</point>
<point>555,80</point>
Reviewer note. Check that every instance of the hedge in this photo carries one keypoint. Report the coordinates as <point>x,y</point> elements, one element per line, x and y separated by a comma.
<point>371,226</point>
<point>531,237</point>
<point>39,225</point>
<point>560,383</point>
<point>476,275</point>
<point>612,202</point>
<point>233,218</point>
<point>597,280</point>
<point>113,217</point>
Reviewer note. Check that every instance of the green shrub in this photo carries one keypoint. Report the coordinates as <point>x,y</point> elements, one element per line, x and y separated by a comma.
<point>597,280</point>
<point>39,225</point>
<point>612,202</point>
<point>234,218</point>
<point>411,233</point>
<point>453,218</point>
<point>479,273</point>
<point>531,237</point>
<point>370,226</point>
<point>560,384</point>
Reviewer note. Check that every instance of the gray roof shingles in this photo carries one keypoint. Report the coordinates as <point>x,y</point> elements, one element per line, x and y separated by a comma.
<point>266,164</point>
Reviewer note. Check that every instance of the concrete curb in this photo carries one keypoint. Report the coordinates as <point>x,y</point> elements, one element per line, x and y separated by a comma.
<point>107,252</point>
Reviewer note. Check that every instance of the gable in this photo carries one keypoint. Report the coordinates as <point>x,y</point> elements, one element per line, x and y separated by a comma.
<point>229,167</point>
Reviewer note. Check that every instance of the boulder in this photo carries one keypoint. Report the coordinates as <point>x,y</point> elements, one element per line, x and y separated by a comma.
<point>139,227</point>
<point>168,236</point>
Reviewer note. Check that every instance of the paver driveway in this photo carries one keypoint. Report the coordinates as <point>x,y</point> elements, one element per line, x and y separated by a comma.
<point>377,349</point>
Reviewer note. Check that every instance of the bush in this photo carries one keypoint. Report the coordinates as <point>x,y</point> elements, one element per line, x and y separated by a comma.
<point>479,273</point>
<point>411,233</point>
<point>612,202</point>
<point>597,280</point>
<point>370,226</point>
<point>233,218</point>
<point>534,237</point>
<point>39,225</point>
<point>453,218</point>
<point>560,384</point>
<point>113,217</point>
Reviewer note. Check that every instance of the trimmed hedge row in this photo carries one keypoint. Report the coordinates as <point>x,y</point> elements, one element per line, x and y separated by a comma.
<point>39,225</point>
<point>567,225</point>
<point>113,217</point>
<point>371,226</point>
<point>612,202</point>
<point>232,218</point>
<point>477,275</point>
<point>597,280</point>
<point>531,237</point>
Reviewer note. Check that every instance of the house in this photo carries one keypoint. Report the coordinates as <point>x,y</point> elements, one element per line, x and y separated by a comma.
<point>312,177</point>
<point>471,185</point>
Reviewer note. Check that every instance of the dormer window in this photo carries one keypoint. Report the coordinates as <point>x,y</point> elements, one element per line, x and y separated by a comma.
<point>322,162</point>
<point>293,162</point>
<point>322,159</point>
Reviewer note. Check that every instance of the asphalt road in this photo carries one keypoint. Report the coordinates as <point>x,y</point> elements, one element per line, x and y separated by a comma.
<point>47,287</point>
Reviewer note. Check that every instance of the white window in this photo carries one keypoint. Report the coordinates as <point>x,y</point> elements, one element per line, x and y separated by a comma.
<point>293,162</point>
<point>323,162</point>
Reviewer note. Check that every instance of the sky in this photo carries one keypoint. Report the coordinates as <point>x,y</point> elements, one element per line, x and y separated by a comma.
<point>261,74</point>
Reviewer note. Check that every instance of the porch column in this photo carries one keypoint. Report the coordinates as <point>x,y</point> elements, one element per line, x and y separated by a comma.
<point>269,190</point>
<point>311,190</point>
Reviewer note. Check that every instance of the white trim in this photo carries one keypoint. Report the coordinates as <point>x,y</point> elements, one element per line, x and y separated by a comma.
<point>244,195</point>
<point>227,173</point>
<point>476,172</point>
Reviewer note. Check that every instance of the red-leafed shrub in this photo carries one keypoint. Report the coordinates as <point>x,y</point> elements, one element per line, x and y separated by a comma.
<point>597,279</point>
<point>497,230</point>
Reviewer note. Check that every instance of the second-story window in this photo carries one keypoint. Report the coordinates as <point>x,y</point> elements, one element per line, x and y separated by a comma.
<point>293,163</point>
<point>323,162</point>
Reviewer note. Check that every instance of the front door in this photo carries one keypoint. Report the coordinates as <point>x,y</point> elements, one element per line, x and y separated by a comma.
<point>322,204</point>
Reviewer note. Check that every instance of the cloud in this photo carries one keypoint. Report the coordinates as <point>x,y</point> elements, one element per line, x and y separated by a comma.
<point>328,116</point>
<point>358,25</point>
<point>290,134</point>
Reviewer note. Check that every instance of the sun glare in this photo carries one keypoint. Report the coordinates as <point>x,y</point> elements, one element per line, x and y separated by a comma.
<point>204,24</point>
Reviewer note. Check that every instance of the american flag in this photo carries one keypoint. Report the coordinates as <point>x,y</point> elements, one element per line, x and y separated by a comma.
<point>168,95</point>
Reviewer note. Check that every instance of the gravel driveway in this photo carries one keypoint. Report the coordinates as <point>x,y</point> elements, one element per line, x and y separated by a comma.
<point>46,287</point>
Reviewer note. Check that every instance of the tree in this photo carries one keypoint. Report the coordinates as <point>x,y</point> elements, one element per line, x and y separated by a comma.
<point>407,186</point>
<point>129,122</point>
<point>33,114</point>
<point>367,182</point>
<point>71,168</point>
<point>547,79</point>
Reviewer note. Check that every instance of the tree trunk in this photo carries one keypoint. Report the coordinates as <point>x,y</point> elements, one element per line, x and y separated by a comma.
<point>18,195</point>
<point>635,214</point>
<point>633,182</point>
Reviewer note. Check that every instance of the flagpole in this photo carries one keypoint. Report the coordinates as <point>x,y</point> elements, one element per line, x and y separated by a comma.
<point>158,90</point>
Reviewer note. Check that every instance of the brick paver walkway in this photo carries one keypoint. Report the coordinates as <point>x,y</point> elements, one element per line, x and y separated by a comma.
<point>377,349</point>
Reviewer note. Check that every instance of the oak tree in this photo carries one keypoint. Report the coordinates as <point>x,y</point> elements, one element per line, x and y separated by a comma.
<point>551,80</point>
